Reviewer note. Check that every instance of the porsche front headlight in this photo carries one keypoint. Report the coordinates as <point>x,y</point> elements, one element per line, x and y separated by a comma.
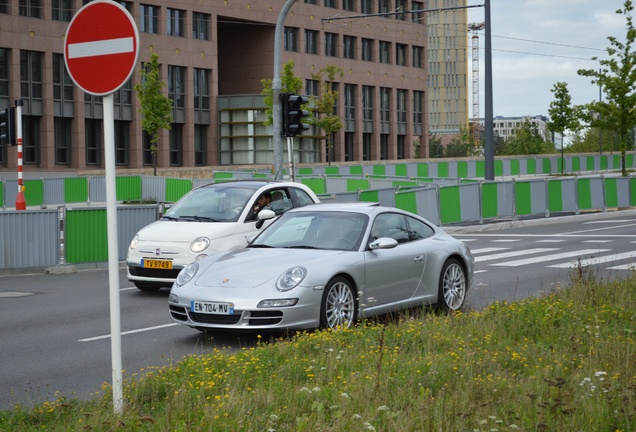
<point>187,273</point>
<point>291,278</point>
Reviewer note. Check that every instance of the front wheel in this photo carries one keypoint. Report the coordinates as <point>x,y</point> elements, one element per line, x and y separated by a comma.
<point>452,286</point>
<point>338,308</point>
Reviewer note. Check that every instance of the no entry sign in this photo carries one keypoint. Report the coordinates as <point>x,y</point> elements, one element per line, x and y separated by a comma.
<point>101,47</point>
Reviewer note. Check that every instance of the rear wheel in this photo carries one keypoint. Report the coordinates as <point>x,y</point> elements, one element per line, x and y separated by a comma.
<point>338,307</point>
<point>142,286</point>
<point>452,286</point>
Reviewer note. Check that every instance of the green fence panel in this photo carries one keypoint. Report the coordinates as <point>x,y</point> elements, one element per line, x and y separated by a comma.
<point>86,236</point>
<point>584,194</point>
<point>629,161</point>
<point>611,192</point>
<point>450,204</point>
<point>576,164</point>
<point>222,174</point>
<point>632,191</point>
<point>332,170</point>
<point>128,188</point>
<point>515,168</point>
<point>370,196</point>
<point>546,165</point>
<point>75,190</point>
<point>442,169</point>
<point>355,184</point>
<point>523,198</point>
<point>616,162</point>
<point>406,201</point>
<point>176,188</point>
<point>531,166</point>
<point>422,170</point>
<point>489,200</point>
<point>356,170</point>
<point>260,175</point>
<point>305,171</point>
<point>403,183</point>
<point>603,162</point>
<point>555,196</point>
<point>401,170</point>
<point>462,169</point>
<point>379,170</point>
<point>480,169</point>
<point>589,163</point>
<point>33,192</point>
<point>318,185</point>
<point>498,167</point>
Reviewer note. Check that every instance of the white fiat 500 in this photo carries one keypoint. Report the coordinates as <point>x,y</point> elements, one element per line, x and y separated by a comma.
<point>207,220</point>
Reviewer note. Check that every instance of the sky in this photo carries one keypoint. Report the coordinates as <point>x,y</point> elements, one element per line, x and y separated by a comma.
<point>537,43</point>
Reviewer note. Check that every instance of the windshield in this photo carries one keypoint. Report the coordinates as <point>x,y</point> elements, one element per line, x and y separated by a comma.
<point>315,230</point>
<point>210,204</point>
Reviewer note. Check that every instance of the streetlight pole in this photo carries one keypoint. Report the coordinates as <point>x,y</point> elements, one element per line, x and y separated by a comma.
<point>489,146</point>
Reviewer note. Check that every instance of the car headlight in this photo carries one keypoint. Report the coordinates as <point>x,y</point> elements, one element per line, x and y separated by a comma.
<point>134,241</point>
<point>199,244</point>
<point>291,278</point>
<point>187,273</point>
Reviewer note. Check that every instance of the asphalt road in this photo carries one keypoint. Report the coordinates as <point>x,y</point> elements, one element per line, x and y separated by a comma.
<point>56,327</point>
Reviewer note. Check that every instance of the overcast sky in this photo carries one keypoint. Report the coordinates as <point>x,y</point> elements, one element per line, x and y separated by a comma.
<point>537,43</point>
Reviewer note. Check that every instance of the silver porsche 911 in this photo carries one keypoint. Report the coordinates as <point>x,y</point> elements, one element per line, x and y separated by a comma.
<point>325,265</point>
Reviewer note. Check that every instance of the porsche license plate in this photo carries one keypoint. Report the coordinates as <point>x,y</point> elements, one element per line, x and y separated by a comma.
<point>156,264</point>
<point>214,308</point>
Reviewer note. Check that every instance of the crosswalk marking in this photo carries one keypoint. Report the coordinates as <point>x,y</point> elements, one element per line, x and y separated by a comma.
<point>596,260</point>
<point>550,241</point>
<point>553,257</point>
<point>513,253</point>
<point>597,241</point>
<point>506,240</point>
<point>487,250</point>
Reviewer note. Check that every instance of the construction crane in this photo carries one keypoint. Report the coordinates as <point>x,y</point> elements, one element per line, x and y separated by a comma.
<point>474,28</point>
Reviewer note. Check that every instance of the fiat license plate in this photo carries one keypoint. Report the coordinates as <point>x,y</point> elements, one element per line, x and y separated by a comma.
<point>156,264</point>
<point>214,308</point>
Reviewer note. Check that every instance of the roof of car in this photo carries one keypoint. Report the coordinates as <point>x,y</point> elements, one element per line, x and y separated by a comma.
<point>253,184</point>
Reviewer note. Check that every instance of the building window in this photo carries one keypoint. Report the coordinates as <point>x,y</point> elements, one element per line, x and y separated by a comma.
<point>418,104</point>
<point>122,143</point>
<point>127,5</point>
<point>349,5</point>
<point>367,108</point>
<point>350,47</point>
<point>330,3</point>
<point>348,146</point>
<point>311,87</point>
<point>4,9</point>
<point>4,72</point>
<point>200,145</point>
<point>149,17</point>
<point>383,6</point>
<point>148,156</point>
<point>400,6</point>
<point>31,80</point>
<point>384,146</point>
<point>400,146</point>
<point>417,15</point>
<point>62,83</point>
<point>176,144</point>
<point>366,146</point>
<point>30,8</point>
<point>367,49</point>
<point>202,91</point>
<point>62,10</point>
<point>366,6</point>
<point>176,86</point>
<point>291,39</point>
<point>385,52</point>
<point>400,54</point>
<point>385,109</point>
<point>200,25</point>
<point>93,141</point>
<point>417,56</point>
<point>311,42</point>
<point>122,101</point>
<point>31,140</point>
<point>313,2</point>
<point>350,107</point>
<point>402,99</point>
<point>63,140</point>
<point>331,44</point>
<point>174,21</point>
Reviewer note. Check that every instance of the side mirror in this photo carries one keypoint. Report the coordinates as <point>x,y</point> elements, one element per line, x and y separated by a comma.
<point>383,243</point>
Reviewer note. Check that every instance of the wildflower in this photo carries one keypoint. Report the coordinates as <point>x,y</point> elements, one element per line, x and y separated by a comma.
<point>344,395</point>
<point>273,417</point>
<point>383,408</point>
<point>367,426</point>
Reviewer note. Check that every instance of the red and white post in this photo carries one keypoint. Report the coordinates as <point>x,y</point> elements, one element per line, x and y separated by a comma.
<point>20,203</point>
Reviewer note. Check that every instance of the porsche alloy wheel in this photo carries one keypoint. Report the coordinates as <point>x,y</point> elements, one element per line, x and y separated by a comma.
<point>452,286</point>
<point>338,304</point>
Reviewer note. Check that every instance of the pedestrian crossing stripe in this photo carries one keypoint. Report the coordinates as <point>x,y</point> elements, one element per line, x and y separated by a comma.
<point>552,257</point>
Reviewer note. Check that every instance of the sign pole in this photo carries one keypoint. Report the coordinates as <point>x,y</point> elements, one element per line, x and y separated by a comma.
<point>20,203</point>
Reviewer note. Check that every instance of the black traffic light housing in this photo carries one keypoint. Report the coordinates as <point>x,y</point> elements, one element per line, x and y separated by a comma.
<point>7,127</point>
<point>293,114</point>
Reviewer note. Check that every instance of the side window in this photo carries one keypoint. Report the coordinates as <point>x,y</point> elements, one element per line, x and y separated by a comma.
<point>390,225</point>
<point>280,202</point>
<point>418,230</point>
<point>301,197</point>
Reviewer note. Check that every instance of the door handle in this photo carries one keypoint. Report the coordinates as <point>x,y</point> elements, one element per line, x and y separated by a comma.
<point>419,258</point>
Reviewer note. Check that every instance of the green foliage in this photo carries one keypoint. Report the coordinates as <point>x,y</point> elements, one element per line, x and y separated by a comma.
<point>561,362</point>
<point>563,116</point>
<point>617,77</point>
<point>463,145</point>
<point>525,141</point>
<point>155,108</point>
<point>290,83</point>
<point>435,147</point>
<point>323,105</point>
<point>593,140</point>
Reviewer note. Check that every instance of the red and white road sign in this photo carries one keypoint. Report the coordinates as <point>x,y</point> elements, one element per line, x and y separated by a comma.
<point>101,47</point>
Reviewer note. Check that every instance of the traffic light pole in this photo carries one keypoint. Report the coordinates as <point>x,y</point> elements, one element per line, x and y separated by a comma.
<point>290,155</point>
<point>20,203</point>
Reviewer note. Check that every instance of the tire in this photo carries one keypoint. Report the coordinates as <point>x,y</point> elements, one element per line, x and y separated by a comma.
<point>147,287</point>
<point>338,307</point>
<point>452,286</point>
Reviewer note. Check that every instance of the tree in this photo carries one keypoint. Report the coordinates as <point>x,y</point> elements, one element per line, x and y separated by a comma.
<point>563,117</point>
<point>290,83</point>
<point>435,149</point>
<point>526,141</point>
<point>155,108</point>
<point>323,105</point>
<point>617,76</point>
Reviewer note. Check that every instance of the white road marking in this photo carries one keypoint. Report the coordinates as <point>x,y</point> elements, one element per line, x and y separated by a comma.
<point>550,241</point>
<point>100,48</point>
<point>506,240</point>
<point>512,254</point>
<point>129,332</point>
<point>488,250</point>
<point>597,241</point>
<point>552,257</point>
<point>596,260</point>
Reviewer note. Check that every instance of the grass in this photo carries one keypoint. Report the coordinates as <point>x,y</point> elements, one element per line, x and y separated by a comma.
<point>562,362</point>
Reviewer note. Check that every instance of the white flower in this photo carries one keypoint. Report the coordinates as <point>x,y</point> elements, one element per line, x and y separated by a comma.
<point>273,417</point>
<point>344,395</point>
<point>368,426</point>
<point>383,408</point>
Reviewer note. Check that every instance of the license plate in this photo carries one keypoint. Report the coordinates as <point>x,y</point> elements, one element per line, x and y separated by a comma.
<point>156,264</point>
<point>214,308</point>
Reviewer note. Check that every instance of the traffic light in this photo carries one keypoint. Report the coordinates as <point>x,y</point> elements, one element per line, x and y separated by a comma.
<point>7,126</point>
<point>293,114</point>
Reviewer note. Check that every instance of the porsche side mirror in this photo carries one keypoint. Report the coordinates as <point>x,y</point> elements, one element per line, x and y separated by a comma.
<point>383,243</point>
